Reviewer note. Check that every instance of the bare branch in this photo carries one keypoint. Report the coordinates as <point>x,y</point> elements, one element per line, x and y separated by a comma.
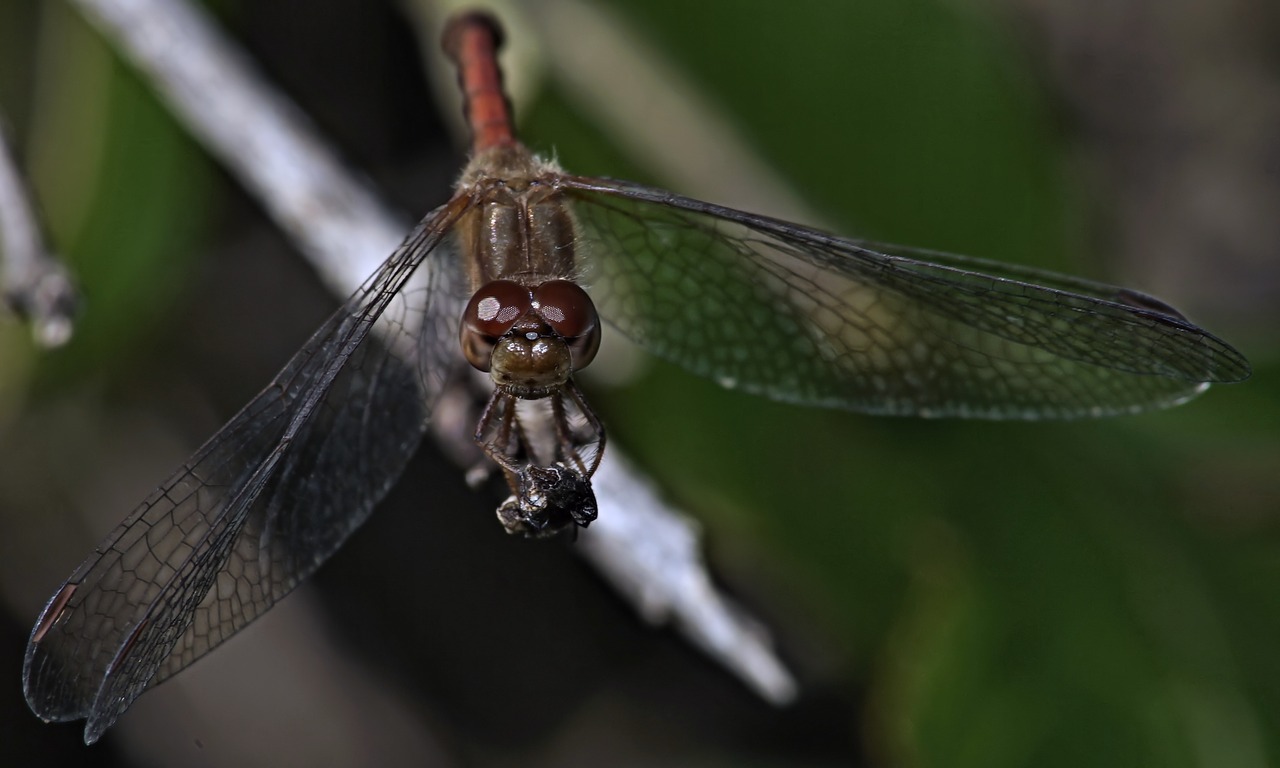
<point>262,138</point>
<point>651,553</point>
<point>645,547</point>
<point>37,286</point>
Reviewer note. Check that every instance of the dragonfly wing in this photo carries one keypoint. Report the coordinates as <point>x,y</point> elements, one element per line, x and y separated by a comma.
<point>261,504</point>
<point>807,317</point>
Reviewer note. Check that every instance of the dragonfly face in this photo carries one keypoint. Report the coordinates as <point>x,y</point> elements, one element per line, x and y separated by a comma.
<point>530,340</point>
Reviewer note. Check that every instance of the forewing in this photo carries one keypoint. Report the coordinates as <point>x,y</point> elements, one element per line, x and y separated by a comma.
<point>262,503</point>
<point>803,316</point>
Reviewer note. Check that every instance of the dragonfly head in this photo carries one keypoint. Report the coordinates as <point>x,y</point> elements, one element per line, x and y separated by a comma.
<point>530,340</point>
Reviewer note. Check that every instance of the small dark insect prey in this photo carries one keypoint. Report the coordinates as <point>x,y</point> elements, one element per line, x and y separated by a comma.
<point>755,303</point>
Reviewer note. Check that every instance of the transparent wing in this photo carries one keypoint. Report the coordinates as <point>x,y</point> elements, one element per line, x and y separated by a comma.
<point>803,316</point>
<point>263,503</point>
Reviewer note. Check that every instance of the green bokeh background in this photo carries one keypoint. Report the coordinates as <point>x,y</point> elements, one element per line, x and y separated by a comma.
<point>1048,594</point>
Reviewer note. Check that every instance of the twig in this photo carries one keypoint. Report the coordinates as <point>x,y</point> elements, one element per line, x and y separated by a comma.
<point>652,554</point>
<point>645,547</point>
<point>37,286</point>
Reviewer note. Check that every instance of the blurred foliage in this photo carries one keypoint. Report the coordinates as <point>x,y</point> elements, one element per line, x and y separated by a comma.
<point>1096,593</point>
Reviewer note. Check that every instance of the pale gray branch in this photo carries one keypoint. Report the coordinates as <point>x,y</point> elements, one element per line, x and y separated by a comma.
<point>36,285</point>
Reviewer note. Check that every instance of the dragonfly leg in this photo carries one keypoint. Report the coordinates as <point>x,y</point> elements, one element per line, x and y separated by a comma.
<point>545,499</point>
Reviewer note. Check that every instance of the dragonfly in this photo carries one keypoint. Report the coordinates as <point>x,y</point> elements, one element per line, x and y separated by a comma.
<point>516,276</point>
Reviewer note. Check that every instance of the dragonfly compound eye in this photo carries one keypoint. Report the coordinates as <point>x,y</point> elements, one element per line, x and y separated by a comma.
<point>493,309</point>
<point>569,311</point>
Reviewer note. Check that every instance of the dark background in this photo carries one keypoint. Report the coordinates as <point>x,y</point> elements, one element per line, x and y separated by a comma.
<point>950,594</point>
